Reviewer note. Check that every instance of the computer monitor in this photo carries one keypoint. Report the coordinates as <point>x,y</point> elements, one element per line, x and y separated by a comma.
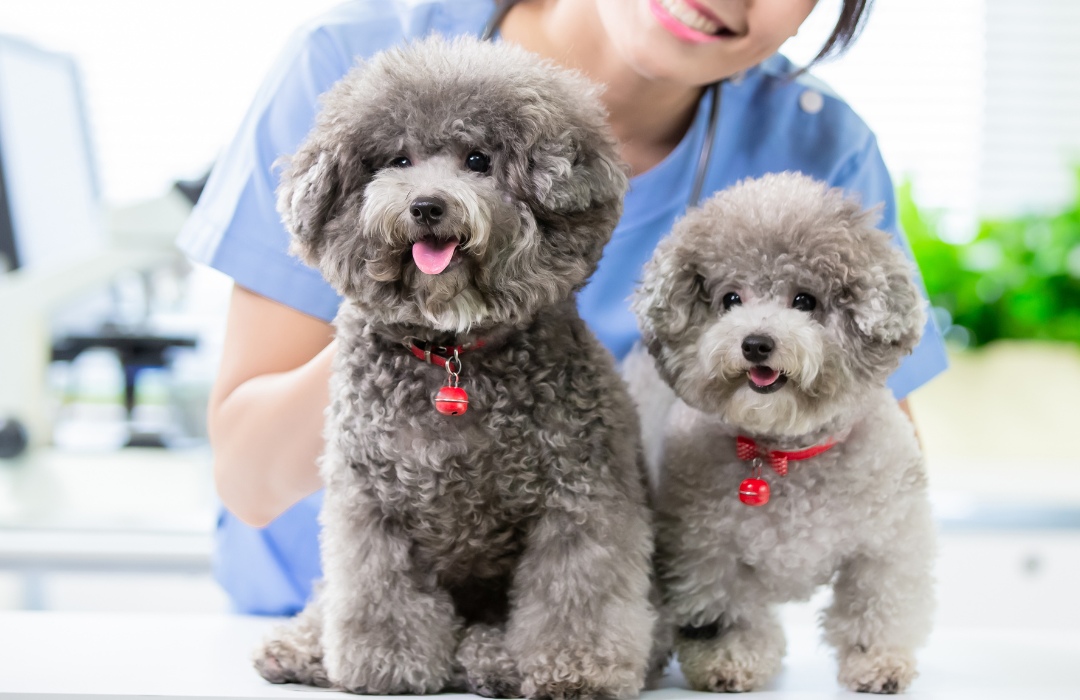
<point>50,201</point>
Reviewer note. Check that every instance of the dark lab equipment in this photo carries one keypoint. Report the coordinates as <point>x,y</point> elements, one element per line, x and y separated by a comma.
<point>136,352</point>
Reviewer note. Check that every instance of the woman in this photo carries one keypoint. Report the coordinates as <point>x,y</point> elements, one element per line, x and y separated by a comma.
<point>682,139</point>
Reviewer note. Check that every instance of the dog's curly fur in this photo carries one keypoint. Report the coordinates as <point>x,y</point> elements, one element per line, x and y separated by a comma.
<point>507,550</point>
<point>856,516</point>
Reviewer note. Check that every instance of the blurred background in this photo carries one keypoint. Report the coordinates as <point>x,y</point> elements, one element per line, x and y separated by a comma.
<point>111,111</point>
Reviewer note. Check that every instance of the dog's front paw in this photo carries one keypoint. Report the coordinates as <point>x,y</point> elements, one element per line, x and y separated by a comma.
<point>488,669</point>
<point>730,671</point>
<point>580,675</point>
<point>877,670</point>
<point>279,661</point>
<point>733,661</point>
<point>371,667</point>
<point>495,685</point>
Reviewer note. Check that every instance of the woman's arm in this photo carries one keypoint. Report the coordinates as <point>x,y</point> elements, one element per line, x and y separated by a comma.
<point>266,408</point>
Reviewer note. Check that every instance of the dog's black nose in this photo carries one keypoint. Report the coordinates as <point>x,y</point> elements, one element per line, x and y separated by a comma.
<point>757,348</point>
<point>427,210</point>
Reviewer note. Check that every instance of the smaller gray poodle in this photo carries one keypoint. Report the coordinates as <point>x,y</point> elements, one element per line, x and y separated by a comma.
<point>776,312</point>
<point>485,525</point>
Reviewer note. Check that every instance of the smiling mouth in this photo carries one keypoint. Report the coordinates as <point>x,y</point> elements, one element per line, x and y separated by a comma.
<point>765,380</point>
<point>690,21</point>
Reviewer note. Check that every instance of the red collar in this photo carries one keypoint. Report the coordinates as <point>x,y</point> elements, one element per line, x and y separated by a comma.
<point>439,355</point>
<point>746,449</point>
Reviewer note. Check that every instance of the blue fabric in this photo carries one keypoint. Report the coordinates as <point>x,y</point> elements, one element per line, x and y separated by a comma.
<point>235,228</point>
<point>270,571</point>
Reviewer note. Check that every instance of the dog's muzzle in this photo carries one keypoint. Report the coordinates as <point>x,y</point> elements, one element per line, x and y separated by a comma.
<point>762,378</point>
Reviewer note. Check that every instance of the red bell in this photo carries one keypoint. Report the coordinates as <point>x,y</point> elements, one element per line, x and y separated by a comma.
<point>754,492</point>
<point>451,401</point>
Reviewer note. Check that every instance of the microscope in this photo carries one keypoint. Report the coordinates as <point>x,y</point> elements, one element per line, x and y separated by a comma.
<point>57,242</point>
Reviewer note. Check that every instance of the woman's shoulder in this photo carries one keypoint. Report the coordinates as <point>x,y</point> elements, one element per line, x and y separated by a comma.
<point>361,27</point>
<point>782,119</point>
<point>779,86</point>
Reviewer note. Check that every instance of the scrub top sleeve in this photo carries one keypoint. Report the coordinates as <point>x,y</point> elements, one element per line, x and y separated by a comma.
<point>235,228</point>
<point>865,175</point>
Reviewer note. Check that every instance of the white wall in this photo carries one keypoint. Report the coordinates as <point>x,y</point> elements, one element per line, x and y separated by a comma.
<point>916,77</point>
<point>977,100</point>
<point>167,81</point>
<point>1031,135</point>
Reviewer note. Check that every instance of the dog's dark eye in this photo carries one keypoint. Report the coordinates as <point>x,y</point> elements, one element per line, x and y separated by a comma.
<point>804,302</point>
<point>477,162</point>
<point>400,162</point>
<point>731,299</point>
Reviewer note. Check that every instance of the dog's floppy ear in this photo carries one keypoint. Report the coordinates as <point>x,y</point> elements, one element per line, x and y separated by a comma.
<point>669,300</point>
<point>307,196</point>
<point>578,171</point>
<point>884,304</point>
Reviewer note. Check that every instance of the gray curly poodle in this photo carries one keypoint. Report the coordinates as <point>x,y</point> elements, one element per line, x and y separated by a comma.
<point>776,312</point>
<point>457,194</point>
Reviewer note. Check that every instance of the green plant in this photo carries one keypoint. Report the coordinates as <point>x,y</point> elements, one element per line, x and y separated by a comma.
<point>1018,278</point>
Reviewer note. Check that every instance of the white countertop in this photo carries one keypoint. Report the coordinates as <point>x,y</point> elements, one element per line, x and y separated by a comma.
<point>79,655</point>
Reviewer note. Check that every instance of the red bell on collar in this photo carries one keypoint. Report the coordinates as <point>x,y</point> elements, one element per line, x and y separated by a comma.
<point>451,401</point>
<point>755,490</point>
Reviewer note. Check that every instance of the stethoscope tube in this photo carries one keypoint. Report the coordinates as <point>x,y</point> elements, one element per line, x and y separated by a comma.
<point>713,91</point>
<point>501,9</point>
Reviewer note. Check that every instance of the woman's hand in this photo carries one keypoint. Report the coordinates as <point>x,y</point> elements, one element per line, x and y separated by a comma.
<point>266,408</point>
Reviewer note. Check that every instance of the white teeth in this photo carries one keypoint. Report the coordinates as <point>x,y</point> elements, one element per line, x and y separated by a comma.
<point>689,16</point>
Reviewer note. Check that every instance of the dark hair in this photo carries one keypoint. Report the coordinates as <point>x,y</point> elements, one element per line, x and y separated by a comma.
<point>848,27</point>
<point>853,16</point>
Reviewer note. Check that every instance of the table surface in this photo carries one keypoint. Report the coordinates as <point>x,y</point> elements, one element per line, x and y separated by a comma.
<point>47,655</point>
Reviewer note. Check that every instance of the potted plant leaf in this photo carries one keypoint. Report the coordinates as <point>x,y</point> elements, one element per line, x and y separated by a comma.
<point>1008,301</point>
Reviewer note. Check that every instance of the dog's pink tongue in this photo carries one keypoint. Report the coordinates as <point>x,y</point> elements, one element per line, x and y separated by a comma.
<point>432,257</point>
<point>763,376</point>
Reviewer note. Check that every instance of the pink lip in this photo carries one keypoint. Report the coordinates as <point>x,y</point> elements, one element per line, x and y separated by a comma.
<point>680,30</point>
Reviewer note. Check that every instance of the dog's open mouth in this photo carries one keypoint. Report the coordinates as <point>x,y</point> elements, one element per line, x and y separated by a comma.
<point>433,255</point>
<point>766,380</point>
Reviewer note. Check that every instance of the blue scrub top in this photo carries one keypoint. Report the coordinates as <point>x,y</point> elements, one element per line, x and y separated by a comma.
<point>769,122</point>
